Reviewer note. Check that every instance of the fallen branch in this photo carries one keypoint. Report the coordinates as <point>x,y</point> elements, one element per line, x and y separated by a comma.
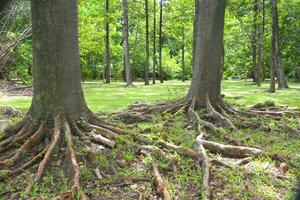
<point>103,140</point>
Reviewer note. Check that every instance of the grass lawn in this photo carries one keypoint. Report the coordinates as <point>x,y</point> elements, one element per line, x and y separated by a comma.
<point>114,97</point>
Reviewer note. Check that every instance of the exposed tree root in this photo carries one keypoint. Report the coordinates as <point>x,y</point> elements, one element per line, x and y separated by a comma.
<point>160,184</point>
<point>203,158</point>
<point>181,150</point>
<point>29,135</point>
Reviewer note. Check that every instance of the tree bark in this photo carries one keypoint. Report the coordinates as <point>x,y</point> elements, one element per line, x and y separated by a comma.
<point>154,42</point>
<point>282,83</point>
<point>260,46</point>
<point>128,71</point>
<point>183,56</point>
<point>146,70</point>
<point>254,41</point>
<point>208,51</point>
<point>56,64</point>
<point>107,49</point>
<point>160,42</point>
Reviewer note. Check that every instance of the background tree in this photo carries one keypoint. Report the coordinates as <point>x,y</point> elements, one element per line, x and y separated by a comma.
<point>107,47</point>
<point>128,71</point>
<point>160,42</point>
<point>146,70</point>
<point>154,43</point>
<point>282,83</point>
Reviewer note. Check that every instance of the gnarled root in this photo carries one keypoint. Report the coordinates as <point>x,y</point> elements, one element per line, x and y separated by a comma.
<point>160,184</point>
<point>203,158</point>
<point>31,136</point>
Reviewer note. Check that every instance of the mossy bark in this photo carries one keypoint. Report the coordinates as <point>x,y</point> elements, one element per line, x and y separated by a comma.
<point>56,64</point>
<point>208,52</point>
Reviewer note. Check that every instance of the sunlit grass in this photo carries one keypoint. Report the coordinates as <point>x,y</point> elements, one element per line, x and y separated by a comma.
<point>114,97</point>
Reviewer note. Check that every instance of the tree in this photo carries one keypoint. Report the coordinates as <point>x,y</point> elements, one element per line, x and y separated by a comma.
<point>128,71</point>
<point>146,70</point>
<point>160,42</point>
<point>261,37</point>
<point>58,110</point>
<point>282,83</point>
<point>206,81</point>
<point>183,56</point>
<point>154,42</point>
<point>107,50</point>
<point>254,41</point>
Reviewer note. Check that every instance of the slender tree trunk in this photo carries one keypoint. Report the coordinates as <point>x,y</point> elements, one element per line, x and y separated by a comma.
<point>107,49</point>
<point>124,68</point>
<point>260,51</point>
<point>128,71</point>
<point>183,56</point>
<point>160,42</point>
<point>254,41</point>
<point>56,64</point>
<point>146,70</point>
<point>282,83</point>
<point>206,82</point>
<point>154,42</point>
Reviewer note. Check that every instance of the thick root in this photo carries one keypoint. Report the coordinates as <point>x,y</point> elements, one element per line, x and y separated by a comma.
<point>76,179</point>
<point>181,150</point>
<point>160,185</point>
<point>33,140</point>
<point>203,158</point>
<point>224,121</point>
<point>44,162</point>
<point>235,151</point>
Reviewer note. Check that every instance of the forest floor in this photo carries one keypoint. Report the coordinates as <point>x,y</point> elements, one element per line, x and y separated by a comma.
<point>125,171</point>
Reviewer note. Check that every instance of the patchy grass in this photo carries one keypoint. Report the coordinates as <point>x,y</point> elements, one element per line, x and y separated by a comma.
<point>114,97</point>
<point>255,180</point>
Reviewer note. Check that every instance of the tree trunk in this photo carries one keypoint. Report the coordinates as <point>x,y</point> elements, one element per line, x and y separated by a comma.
<point>260,47</point>
<point>56,64</point>
<point>183,56</point>
<point>206,82</point>
<point>128,71</point>
<point>160,42</point>
<point>254,41</point>
<point>282,83</point>
<point>154,43</point>
<point>146,70</point>
<point>196,31</point>
<point>107,50</point>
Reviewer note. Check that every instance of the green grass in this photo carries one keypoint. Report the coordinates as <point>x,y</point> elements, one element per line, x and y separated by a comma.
<point>114,97</point>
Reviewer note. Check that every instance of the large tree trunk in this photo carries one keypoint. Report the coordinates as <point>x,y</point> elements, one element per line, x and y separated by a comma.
<point>282,83</point>
<point>58,110</point>
<point>254,41</point>
<point>154,42</point>
<point>146,70</point>
<point>160,42</point>
<point>56,64</point>
<point>196,31</point>
<point>128,71</point>
<point>107,50</point>
<point>206,82</point>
